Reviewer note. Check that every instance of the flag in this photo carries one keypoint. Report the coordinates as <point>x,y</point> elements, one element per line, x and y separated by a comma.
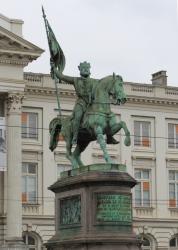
<point>56,53</point>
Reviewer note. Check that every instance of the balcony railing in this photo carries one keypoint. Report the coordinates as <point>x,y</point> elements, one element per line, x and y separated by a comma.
<point>30,209</point>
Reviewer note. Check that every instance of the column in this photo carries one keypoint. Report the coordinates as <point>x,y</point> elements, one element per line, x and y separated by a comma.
<point>14,159</point>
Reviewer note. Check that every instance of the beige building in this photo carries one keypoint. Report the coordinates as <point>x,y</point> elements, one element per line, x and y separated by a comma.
<point>28,103</point>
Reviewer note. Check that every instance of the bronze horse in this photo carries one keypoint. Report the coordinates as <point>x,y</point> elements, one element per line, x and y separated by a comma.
<point>97,121</point>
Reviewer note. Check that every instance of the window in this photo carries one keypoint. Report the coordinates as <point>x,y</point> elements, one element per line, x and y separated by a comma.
<point>172,135</point>
<point>142,189</point>
<point>62,168</point>
<point>142,133</point>
<point>173,188</point>
<point>29,125</point>
<point>173,243</point>
<point>29,182</point>
<point>146,244</point>
<point>30,241</point>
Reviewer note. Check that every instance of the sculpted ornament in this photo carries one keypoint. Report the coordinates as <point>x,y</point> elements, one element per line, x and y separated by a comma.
<point>14,102</point>
<point>92,118</point>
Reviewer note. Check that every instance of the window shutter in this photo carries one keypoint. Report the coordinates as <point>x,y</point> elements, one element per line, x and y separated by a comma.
<point>137,134</point>
<point>145,142</point>
<point>172,202</point>
<point>32,125</point>
<point>138,197</point>
<point>146,186</point>
<point>176,135</point>
<point>24,118</point>
<point>146,134</point>
<point>171,135</point>
<point>24,124</point>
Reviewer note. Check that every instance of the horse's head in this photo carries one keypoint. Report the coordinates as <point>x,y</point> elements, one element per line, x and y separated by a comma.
<point>117,90</point>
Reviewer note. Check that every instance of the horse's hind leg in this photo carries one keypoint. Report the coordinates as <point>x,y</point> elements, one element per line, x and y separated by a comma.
<point>102,143</point>
<point>77,152</point>
<point>69,154</point>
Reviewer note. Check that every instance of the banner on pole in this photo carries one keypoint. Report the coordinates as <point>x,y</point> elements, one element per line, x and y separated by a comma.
<point>3,148</point>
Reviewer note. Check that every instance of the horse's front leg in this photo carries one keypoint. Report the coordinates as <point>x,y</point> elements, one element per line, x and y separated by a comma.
<point>117,127</point>
<point>69,155</point>
<point>102,143</point>
<point>81,146</point>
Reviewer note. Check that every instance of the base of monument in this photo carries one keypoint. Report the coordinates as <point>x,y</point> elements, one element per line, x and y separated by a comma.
<point>94,209</point>
<point>14,244</point>
<point>121,243</point>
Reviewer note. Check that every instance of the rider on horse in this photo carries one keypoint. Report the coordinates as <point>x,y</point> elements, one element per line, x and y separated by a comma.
<point>84,87</point>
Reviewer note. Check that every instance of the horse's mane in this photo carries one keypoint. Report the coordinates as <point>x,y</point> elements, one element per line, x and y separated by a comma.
<point>109,77</point>
<point>105,80</point>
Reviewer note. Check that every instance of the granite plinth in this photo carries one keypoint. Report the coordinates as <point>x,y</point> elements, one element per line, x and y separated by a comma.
<point>94,209</point>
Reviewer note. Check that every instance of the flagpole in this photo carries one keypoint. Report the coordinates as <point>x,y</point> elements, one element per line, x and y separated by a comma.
<point>54,75</point>
<point>58,101</point>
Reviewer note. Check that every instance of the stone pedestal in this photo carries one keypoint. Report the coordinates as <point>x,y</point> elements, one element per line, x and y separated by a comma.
<point>94,210</point>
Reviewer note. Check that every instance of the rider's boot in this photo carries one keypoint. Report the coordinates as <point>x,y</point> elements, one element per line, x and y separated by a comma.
<point>76,123</point>
<point>111,140</point>
<point>74,140</point>
<point>76,126</point>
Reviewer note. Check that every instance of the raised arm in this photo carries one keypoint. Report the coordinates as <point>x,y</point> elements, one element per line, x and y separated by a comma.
<point>67,79</point>
<point>60,76</point>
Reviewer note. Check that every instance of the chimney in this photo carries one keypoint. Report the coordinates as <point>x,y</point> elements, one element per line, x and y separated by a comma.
<point>159,78</point>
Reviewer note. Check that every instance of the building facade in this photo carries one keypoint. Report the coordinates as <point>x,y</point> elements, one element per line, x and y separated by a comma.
<point>27,105</point>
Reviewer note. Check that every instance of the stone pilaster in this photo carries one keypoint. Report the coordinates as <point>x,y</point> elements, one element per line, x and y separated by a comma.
<point>14,159</point>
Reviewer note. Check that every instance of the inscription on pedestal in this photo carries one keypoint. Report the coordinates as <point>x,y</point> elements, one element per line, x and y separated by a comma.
<point>70,210</point>
<point>113,208</point>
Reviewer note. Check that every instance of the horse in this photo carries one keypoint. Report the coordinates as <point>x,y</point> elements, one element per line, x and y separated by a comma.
<point>97,121</point>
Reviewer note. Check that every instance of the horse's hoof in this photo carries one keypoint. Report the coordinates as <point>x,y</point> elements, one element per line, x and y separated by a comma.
<point>127,142</point>
<point>109,160</point>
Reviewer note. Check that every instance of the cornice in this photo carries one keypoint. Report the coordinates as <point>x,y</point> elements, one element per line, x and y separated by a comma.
<point>20,52</point>
<point>169,158</point>
<point>16,50</point>
<point>99,155</point>
<point>155,220</point>
<point>143,157</point>
<point>8,80</point>
<point>151,101</point>
<point>130,99</point>
<point>6,33</point>
<point>48,92</point>
<point>12,59</point>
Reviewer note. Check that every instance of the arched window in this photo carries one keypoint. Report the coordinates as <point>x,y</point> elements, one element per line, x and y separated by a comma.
<point>146,244</point>
<point>173,243</point>
<point>30,240</point>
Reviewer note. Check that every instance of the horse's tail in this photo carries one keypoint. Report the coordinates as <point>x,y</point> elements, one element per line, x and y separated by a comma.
<point>54,130</point>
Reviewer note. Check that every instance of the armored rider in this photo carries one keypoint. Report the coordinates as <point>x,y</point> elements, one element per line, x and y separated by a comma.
<point>84,87</point>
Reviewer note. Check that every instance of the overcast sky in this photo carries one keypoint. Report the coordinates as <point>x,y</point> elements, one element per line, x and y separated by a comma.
<point>133,38</point>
